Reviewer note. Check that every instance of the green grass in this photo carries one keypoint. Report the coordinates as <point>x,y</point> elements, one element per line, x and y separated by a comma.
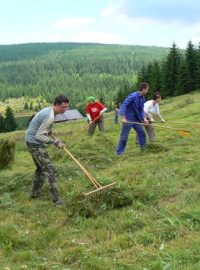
<point>17,105</point>
<point>155,226</point>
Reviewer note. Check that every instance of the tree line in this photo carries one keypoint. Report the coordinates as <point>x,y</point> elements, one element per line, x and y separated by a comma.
<point>77,70</point>
<point>178,73</point>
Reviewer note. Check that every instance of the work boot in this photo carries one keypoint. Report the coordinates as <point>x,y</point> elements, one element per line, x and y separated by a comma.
<point>36,194</point>
<point>59,201</point>
<point>143,149</point>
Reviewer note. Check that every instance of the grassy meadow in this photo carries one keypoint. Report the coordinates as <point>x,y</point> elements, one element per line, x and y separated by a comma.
<point>17,105</point>
<point>151,221</point>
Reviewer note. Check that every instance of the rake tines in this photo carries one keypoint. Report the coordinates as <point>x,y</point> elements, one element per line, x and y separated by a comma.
<point>99,191</point>
<point>184,133</point>
<point>99,188</point>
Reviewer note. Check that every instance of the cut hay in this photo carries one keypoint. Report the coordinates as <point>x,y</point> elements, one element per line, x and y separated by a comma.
<point>114,198</point>
<point>7,153</point>
<point>96,152</point>
<point>156,148</point>
<point>19,182</point>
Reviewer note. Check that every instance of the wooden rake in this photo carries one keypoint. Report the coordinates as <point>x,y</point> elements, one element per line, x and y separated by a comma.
<point>98,187</point>
<point>181,132</point>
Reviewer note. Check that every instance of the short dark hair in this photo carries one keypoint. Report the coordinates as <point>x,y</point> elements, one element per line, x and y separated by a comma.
<point>143,85</point>
<point>61,99</point>
<point>156,95</point>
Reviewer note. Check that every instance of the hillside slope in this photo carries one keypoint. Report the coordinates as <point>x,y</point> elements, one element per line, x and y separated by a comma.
<point>159,229</point>
<point>72,68</point>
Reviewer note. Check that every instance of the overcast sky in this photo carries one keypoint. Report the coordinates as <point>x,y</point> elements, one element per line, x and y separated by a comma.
<point>147,22</point>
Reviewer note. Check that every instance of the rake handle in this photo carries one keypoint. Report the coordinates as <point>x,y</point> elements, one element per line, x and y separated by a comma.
<point>90,177</point>
<point>93,121</point>
<point>137,123</point>
<point>185,123</point>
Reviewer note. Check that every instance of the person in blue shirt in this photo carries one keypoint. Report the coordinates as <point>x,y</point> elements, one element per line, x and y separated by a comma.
<point>132,110</point>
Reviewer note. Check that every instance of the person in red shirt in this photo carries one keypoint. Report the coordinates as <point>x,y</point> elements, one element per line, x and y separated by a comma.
<point>94,111</point>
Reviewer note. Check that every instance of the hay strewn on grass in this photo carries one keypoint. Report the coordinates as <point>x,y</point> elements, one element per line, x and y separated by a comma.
<point>7,153</point>
<point>114,198</point>
<point>156,148</point>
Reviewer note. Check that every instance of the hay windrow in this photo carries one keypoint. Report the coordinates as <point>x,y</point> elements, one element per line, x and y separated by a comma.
<point>114,198</point>
<point>7,153</point>
<point>156,148</point>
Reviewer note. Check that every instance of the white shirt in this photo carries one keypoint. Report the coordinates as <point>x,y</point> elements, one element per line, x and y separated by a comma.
<point>150,108</point>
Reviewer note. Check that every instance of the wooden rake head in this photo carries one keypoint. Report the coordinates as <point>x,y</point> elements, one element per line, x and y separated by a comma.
<point>99,191</point>
<point>99,188</point>
<point>184,133</point>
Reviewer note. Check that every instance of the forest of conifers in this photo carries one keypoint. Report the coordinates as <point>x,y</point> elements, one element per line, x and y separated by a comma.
<point>109,72</point>
<point>176,74</point>
<point>77,70</point>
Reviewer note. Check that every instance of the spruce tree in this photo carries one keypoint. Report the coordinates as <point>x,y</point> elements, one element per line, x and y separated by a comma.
<point>191,60</point>
<point>183,79</point>
<point>9,122</point>
<point>198,66</point>
<point>123,93</point>
<point>142,76</point>
<point>119,97</point>
<point>1,123</point>
<point>154,79</point>
<point>31,106</point>
<point>25,106</point>
<point>102,99</point>
<point>156,76</point>
<point>170,72</point>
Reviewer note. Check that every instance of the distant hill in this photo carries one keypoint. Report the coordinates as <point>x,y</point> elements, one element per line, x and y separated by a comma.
<point>77,69</point>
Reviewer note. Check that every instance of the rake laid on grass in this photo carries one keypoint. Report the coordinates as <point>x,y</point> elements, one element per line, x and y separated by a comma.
<point>98,187</point>
<point>181,132</point>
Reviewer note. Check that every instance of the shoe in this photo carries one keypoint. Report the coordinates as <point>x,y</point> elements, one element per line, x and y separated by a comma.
<point>59,202</point>
<point>35,194</point>
<point>143,148</point>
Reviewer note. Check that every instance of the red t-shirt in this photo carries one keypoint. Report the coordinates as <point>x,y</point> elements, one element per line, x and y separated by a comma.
<point>94,109</point>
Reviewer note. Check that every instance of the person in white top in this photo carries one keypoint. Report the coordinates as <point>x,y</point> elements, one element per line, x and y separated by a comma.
<point>151,108</point>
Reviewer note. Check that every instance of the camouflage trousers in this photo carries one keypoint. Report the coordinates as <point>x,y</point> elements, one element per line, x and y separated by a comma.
<point>44,169</point>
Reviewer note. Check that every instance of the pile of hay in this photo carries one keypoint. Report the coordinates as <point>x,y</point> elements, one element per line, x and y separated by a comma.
<point>114,198</point>
<point>156,148</point>
<point>7,153</point>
